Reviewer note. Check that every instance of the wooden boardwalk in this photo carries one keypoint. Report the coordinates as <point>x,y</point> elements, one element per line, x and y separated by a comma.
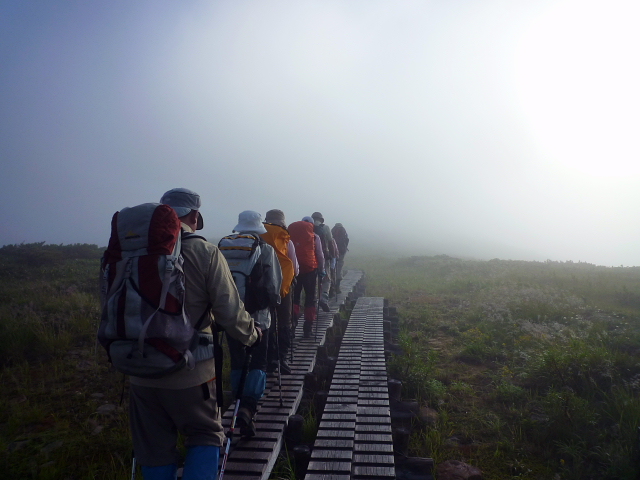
<point>354,438</point>
<point>253,459</point>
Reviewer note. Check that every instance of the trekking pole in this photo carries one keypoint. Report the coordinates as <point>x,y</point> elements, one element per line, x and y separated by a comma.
<point>243,376</point>
<point>133,465</point>
<point>292,333</point>
<point>334,271</point>
<point>318,305</point>
<point>274,314</point>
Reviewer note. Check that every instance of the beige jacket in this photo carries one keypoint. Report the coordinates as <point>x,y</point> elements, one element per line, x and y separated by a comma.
<point>208,281</point>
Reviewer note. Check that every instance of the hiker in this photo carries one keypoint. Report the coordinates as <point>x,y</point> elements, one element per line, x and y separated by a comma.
<point>311,261</point>
<point>185,401</point>
<point>256,270</point>
<point>280,338</point>
<point>341,238</point>
<point>324,232</point>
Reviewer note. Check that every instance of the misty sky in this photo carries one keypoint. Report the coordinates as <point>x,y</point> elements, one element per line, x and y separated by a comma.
<point>483,128</point>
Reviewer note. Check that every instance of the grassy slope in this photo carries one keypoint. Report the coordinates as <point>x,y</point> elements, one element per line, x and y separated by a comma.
<point>530,370</point>
<point>53,379</point>
<point>525,369</point>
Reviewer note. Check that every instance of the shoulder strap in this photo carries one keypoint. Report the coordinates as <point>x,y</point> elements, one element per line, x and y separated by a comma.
<point>218,357</point>
<point>187,235</point>
<point>204,315</point>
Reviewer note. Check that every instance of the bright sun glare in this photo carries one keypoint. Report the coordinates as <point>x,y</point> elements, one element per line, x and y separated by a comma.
<point>578,79</point>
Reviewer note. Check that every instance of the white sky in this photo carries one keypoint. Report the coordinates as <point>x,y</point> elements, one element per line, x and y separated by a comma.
<point>486,128</point>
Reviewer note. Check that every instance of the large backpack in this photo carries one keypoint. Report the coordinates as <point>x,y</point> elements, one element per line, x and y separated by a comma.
<point>303,239</point>
<point>278,237</point>
<point>144,326</point>
<point>340,236</point>
<point>243,252</point>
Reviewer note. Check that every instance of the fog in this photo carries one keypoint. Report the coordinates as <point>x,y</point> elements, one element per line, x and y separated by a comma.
<point>486,128</point>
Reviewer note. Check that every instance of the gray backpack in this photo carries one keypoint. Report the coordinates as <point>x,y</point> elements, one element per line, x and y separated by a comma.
<point>242,252</point>
<point>144,326</point>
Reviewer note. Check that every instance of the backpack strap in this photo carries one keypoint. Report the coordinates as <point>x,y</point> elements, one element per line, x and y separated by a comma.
<point>187,235</point>
<point>218,354</point>
<point>218,359</point>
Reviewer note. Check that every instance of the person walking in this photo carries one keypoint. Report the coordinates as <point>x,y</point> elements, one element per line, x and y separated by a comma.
<point>341,238</point>
<point>185,401</point>
<point>328,249</point>
<point>278,237</point>
<point>311,261</point>
<point>256,270</point>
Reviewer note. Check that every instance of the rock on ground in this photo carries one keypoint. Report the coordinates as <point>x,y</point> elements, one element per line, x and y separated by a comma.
<point>455,470</point>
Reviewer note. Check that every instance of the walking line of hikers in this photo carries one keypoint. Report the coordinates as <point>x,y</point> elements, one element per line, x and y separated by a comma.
<point>166,293</point>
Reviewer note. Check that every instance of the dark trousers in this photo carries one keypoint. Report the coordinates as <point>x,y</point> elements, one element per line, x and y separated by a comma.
<point>308,282</point>
<point>281,342</point>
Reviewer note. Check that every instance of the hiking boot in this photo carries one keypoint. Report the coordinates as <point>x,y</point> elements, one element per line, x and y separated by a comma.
<point>245,422</point>
<point>308,327</point>
<point>285,369</point>
<point>324,306</point>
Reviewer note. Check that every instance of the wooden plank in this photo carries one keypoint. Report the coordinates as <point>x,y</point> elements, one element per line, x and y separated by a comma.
<point>254,445</point>
<point>374,472</point>
<point>373,437</point>
<point>372,428</point>
<point>319,453</point>
<point>245,468</point>
<point>252,455</point>
<point>375,459</point>
<point>336,434</point>
<point>345,417</point>
<point>341,425</point>
<point>334,443</point>
<point>326,476</point>
<point>329,466</point>
<point>373,447</point>
<point>378,420</point>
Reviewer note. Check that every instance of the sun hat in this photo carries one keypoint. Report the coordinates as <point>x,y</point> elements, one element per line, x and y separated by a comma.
<point>250,221</point>
<point>183,200</point>
<point>276,217</point>
<point>317,216</point>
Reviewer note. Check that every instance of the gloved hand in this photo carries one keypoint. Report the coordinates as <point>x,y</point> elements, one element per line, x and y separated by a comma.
<point>321,275</point>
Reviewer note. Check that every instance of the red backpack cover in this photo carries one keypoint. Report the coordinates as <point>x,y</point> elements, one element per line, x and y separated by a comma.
<point>302,237</point>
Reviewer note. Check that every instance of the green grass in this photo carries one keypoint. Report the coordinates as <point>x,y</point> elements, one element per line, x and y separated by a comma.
<point>54,379</point>
<point>532,367</point>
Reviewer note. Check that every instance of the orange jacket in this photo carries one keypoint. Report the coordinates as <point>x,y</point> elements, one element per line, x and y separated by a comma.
<point>278,237</point>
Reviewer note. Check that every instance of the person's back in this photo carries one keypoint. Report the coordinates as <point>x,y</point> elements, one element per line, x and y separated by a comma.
<point>342,243</point>
<point>311,260</point>
<point>279,238</point>
<point>185,401</point>
<point>302,236</point>
<point>328,249</point>
<point>270,278</point>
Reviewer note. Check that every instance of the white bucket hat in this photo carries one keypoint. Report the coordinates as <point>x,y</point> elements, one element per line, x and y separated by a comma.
<point>250,221</point>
